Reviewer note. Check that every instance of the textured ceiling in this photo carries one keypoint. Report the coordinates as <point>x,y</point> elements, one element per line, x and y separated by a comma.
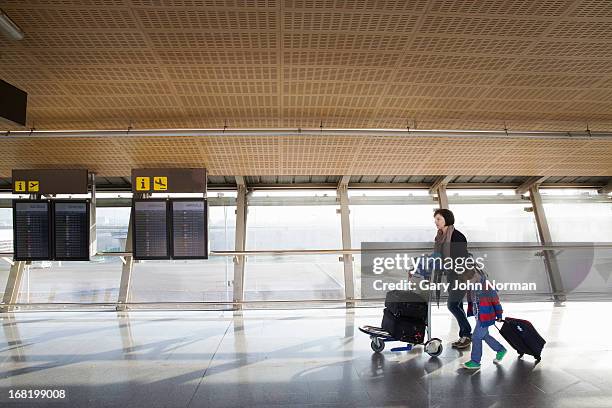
<point>313,154</point>
<point>429,64</point>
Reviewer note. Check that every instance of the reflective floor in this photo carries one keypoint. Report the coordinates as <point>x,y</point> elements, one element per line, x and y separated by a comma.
<point>314,357</point>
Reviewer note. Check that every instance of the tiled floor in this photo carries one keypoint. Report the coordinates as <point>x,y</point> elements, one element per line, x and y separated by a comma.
<point>311,357</point>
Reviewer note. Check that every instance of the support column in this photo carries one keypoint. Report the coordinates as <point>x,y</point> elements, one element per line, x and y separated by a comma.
<point>439,188</point>
<point>345,223</point>
<point>126,269</point>
<point>93,236</point>
<point>550,261</point>
<point>607,189</point>
<point>442,197</point>
<point>240,242</point>
<point>13,285</point>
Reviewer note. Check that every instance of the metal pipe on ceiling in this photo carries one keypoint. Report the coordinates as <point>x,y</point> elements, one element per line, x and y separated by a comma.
<point>308,132</point>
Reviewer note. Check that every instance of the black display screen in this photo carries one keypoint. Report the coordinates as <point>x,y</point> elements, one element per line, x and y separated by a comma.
<point>150,229</point>
<point>71,230</point>
<point>31,230</point>
<point>189,229</point>
<point>13,103</point>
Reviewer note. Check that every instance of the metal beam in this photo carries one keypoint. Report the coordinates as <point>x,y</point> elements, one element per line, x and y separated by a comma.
<point>345,224</point>
<point>550,261</point>
<point>13,285</point>
<point>442,197</point>
<point>126,269</point>
<point>440,181</point>
<point>281,252</point>
<point>439,188</point>
<point>240,240</point>
<point>530,182</point>
<point>6,203</point>
<point>606,189</point>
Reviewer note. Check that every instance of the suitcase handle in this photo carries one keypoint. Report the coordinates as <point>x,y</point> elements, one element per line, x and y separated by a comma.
<point>495,324</point>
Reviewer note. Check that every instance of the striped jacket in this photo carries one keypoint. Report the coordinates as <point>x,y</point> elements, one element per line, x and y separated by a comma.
<point>484,304</point>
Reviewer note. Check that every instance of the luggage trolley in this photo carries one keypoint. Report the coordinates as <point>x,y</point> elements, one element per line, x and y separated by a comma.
<point>378,336</point>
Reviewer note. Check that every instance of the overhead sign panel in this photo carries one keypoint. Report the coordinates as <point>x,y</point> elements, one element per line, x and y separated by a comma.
<point>169,180</point>
<point>50,181</point>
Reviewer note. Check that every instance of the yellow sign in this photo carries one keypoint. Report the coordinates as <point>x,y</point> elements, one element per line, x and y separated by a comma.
<point>160,183</point>
<point>143,184</point>
<point>20,186</point>
<point>33,186</point>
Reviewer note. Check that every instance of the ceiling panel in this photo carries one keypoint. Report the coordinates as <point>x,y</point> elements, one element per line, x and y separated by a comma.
<point>313,154</point>
<point>434,64</point>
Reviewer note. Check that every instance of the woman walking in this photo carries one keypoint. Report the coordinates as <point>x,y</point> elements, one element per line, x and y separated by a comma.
<point>451,243</point>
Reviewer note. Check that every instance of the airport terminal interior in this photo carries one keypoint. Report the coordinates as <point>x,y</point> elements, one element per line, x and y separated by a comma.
<point>206,203</point>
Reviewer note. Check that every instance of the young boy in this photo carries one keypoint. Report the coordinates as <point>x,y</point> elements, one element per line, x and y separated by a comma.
<point>484,305</point>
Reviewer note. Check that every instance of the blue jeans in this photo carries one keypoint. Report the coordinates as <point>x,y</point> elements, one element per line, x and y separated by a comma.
<point>480,334</point>
<point>455,305</point>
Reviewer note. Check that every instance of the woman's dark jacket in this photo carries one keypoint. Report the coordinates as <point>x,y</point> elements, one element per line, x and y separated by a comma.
<point>458,249</point>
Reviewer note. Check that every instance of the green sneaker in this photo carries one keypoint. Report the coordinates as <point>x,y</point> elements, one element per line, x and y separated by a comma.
<point>471,365</point>
<point>499,356</point>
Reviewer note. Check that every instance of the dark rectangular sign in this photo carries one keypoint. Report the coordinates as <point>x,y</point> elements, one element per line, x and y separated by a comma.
<point>169,180</point>
<point>50,181</point>
<point>71,230</point>
<point>13,103</point>
<point>150,238</point>
<point>31,230</point>
<point>189,229</point>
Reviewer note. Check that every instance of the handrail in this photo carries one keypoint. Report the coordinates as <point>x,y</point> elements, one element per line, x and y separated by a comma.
<point>359,250</point>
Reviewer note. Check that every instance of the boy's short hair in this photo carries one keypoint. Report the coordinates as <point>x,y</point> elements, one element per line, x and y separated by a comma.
<point>449,217</point>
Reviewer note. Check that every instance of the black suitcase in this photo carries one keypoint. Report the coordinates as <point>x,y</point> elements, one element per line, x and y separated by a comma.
<point>406,303</point>
<point>406,329</point>
<point>523,337</point>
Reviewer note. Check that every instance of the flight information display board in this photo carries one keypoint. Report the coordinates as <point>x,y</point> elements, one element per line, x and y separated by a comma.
<point>150,238</point>
<point>189,228</point>
<point>31,230</point>
<point>71,230</point>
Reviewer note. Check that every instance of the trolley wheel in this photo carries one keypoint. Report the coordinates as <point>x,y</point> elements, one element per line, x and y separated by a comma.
<point>434,347</point>
<point>377,345</point>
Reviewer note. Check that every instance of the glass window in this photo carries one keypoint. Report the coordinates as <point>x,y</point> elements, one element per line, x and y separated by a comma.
<point>568,191</point>
<point>6,230</point>
<point>191,280</point>
<point>96,281</point>
<point>388,223</point>
<point>294,193</point>
<point>479,192</point>
<point>582,271</point>
<point>579,222</point>
<point>112,228</point>
<point>388,192</point>
<point>292,277</point>
<point>504,222</point>
<point>6,243</point>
